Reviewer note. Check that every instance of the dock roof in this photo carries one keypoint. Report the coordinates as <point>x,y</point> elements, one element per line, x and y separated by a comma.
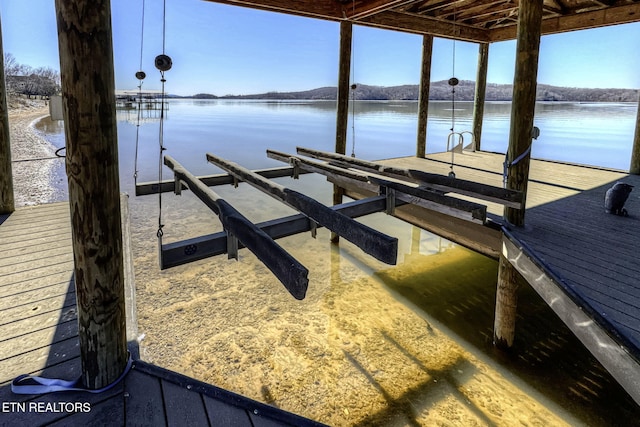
<point>482,21</point>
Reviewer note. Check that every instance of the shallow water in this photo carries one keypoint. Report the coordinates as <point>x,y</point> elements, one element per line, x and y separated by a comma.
<point>371,344</point>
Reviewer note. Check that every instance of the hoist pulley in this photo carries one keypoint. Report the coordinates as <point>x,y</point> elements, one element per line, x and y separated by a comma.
<point>163,62</point>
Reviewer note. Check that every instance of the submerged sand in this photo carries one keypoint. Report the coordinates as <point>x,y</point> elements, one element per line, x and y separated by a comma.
<point>356,351</point>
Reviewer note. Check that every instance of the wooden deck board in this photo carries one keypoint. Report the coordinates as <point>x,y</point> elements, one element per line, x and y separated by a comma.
<point>594,255</point>
<point>39,336</point>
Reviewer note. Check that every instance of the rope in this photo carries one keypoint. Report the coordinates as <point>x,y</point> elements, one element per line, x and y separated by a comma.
<point>506,165</point>
<point>26,384</point>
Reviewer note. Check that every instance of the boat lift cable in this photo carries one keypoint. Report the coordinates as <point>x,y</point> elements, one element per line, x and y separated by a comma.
<point>140,75</point>
<point>453,82</point>
<point>163,63</point>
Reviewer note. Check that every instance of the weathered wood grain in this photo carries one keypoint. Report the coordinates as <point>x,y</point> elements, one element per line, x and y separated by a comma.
<point>372,242</point>
<point>86,67</point>
<point>7,200</point>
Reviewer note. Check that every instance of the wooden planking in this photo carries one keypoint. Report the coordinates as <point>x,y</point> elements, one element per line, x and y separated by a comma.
<point>144,404</point>
<point>38,336</point>
<point>222,414</point>
<point>595,335</point>
<point>593,252</point>
<point>38,359</point>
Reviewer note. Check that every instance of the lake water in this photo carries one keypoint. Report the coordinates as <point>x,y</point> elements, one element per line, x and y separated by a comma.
<point>371,344</point>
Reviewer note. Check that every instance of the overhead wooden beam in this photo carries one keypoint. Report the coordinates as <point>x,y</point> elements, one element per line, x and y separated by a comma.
<point>308,8</point>
<point>364,9</point>
<point>285,267</point>
<point>418,24</point>
<point>379,245</point>
<point>613,15</point>
<point>434,181</point>
<point>423,96</point>
<point>7,201</point>
<point>88,87</point>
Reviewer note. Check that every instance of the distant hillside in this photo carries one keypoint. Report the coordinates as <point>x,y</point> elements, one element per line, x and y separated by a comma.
<point>442,91</point>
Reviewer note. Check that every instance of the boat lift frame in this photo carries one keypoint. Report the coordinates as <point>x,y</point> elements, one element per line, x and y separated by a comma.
<point>394,187</point>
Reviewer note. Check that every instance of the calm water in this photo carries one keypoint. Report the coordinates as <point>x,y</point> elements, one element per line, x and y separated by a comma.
<point>372,344</point>
<point>596,134</point>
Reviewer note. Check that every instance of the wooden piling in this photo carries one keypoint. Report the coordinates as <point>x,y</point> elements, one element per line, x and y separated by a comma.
<point>524,102</point>
<point>504,327</point>
<point>480,94</point>
<point>634,167</point>
<point>518,155</point>
<point>342,110</point>
<point>86,68</point>
<point>423,96</point>
<point>7,201</point>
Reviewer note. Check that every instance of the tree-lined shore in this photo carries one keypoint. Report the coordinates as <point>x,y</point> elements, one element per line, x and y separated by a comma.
<point>440,90</point>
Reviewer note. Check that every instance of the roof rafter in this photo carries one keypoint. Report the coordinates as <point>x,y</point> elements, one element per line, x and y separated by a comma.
<point>363,9</point>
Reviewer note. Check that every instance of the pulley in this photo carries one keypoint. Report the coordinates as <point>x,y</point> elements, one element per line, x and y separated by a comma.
<point>163,62</point>
<point>453,81</point>
<point>140,75</point>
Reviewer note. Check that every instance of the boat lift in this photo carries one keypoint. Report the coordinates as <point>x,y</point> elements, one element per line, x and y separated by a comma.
<point>393,187</point>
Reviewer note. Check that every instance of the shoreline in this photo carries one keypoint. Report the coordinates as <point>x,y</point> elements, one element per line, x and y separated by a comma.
<point>35,167</point>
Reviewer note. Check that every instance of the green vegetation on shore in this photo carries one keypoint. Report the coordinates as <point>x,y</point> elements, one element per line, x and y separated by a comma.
<point>442,91</point>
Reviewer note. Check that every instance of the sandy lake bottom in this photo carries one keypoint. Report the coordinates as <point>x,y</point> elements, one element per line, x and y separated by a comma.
<point>371,344</point>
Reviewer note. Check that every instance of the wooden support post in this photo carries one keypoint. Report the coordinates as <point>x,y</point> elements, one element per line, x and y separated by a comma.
<point>7,202</point>
<point>342,110</point>
<point>423,96</point>
<point>481,91</point>
<point>634,167</point>
<point>524,102</point>
<point>86,68</point>
<point>344,75</point>
<point>504,326</point>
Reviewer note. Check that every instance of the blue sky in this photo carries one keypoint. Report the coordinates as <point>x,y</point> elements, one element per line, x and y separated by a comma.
<point>231,50</point>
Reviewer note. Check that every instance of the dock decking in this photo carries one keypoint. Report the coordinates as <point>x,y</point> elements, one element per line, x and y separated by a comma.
<point>39,336</point>
<point>581,260</point>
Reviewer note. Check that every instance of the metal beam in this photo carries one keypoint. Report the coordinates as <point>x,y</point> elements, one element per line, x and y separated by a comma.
<point>168,186</point>
<point>291,273</point>
<point>373,242</point>
<point>414,195</point>
<point>437,182</point>
<point>185,251</point>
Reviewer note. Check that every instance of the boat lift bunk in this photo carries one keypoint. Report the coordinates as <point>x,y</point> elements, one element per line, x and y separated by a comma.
<point>393,187</point>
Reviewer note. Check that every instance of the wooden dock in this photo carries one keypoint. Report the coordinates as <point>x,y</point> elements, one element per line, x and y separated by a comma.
<point>581,260</point>
<point>39,336</point>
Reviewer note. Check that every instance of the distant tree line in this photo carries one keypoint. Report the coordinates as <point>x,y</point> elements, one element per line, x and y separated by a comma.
<point>23,79</point>
<point>464,91</point>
